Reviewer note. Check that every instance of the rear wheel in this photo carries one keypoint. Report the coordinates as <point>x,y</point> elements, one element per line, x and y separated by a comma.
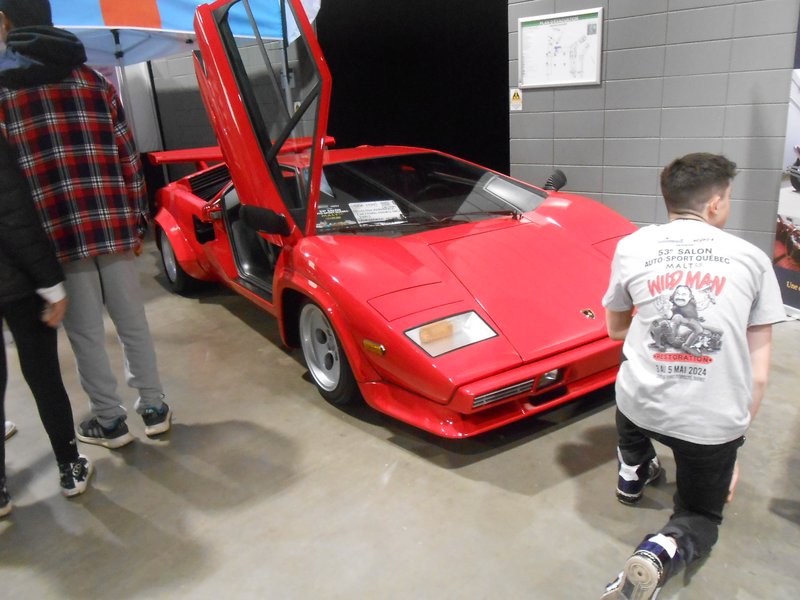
<point>325,357</point>
<point>179,280</point>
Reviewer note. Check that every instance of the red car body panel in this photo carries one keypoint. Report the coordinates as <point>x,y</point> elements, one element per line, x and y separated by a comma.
<point>535,278</point>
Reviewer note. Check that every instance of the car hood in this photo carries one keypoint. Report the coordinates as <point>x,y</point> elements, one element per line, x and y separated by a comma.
<point>540,287</point>
<point>534,281</point>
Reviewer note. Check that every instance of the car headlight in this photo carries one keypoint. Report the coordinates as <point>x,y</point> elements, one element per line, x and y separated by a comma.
<point>451,333</point>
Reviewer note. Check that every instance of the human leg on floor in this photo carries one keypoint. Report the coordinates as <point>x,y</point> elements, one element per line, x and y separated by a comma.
<point>123,300</point>
<point>5,499</point>
<point>703,477</point>
<point>86,332</point>
<point>37,349</point>
<point>637,460</point>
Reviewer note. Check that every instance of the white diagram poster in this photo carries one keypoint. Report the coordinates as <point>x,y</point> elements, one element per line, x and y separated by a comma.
<point>560,49</point>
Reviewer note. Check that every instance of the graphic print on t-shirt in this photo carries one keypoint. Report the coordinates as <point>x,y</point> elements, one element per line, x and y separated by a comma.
<point>684,296</point>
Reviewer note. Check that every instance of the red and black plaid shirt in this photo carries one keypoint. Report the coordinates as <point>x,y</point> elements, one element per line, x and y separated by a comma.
<point>75,148</point>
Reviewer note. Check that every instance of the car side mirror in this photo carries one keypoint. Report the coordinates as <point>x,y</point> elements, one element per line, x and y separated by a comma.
<point>556,181</point>
<point>264,220</point>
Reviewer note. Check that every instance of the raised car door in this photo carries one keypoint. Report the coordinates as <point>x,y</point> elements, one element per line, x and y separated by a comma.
<point>266,88</point>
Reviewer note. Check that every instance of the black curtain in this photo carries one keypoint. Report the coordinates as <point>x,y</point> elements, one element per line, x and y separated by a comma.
<point>429,73</point>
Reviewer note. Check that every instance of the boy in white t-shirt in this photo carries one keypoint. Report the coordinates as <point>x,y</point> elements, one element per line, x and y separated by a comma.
<point>695,306</point>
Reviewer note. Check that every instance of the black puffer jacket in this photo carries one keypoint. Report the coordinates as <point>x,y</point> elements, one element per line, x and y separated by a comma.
<point>27,259</point>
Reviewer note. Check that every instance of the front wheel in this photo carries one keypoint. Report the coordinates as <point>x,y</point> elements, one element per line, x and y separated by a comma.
<point>325,357</point>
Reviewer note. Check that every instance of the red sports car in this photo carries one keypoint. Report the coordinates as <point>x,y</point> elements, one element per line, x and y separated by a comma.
<point>444,294</point>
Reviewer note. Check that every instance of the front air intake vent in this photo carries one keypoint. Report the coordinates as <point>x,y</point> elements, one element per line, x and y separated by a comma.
<point>502,394</point>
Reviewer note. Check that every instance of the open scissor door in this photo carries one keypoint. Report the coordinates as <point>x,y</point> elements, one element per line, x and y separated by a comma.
<point>267,93</point>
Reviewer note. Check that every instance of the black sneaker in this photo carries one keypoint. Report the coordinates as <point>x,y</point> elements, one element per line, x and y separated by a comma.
<point>632,479</point>
<point>645,573</point>
<point>91,432</point>
<point>157,420</point>
<point>75,476</point>
<point>5,499</point>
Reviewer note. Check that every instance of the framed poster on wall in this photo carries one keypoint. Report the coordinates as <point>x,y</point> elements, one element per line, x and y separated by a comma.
<point>560,49</point>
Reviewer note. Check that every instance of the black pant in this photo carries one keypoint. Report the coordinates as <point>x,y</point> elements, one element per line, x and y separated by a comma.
<point>37,347</point>
<point>703,477</point>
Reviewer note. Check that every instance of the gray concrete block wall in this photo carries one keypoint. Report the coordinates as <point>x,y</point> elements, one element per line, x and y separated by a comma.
<point>184,121</point>
<point>678,76</point>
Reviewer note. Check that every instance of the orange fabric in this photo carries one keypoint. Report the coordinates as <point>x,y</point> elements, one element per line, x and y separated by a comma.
<point>131,13</point>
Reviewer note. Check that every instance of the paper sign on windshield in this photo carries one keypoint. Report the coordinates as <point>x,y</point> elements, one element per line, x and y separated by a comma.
<point>378,211</point>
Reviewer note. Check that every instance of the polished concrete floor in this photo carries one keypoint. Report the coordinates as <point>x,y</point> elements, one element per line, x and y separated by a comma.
<point>262,490</point>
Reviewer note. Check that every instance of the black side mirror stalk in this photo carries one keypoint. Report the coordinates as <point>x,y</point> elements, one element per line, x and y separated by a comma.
<point>556,181</point>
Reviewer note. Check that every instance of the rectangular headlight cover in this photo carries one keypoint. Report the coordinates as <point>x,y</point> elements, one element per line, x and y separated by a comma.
<point>451,333</point>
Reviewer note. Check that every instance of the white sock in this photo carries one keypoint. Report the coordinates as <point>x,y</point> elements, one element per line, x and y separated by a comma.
<point>667,543</point>
<point>626,471</point>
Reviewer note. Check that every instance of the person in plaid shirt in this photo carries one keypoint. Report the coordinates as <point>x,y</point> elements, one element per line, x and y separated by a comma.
<point>67,127</point>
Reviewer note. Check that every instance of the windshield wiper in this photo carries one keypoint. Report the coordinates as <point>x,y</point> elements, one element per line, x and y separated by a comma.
<point>511,212</point>
<point>372,226</point>
<point>463,216</point>
<point>421,220</point>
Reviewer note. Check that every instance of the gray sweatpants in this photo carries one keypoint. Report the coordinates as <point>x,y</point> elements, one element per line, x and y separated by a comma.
<point>111,280</point>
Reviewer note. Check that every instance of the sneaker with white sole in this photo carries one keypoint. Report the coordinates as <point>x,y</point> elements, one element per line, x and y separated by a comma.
<point>632,479</point>
<point>645,572</point>
<point>75,476</point>
<point>91,432</point>
<point>157,420</point>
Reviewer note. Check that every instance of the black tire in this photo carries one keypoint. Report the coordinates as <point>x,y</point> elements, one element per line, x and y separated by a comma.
<point>325,358</point>
<point>179,280</point>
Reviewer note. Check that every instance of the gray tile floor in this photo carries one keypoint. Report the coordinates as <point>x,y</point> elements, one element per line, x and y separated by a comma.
<point>262,490</point>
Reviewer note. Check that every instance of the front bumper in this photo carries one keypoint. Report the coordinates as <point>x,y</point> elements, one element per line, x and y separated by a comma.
<point>584,369</point>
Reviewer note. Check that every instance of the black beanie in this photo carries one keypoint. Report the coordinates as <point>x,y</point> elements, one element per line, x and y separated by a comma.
<point>26,13</point>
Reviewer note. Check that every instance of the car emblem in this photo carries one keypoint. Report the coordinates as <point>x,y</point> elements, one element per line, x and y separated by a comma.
<point>588,313</point>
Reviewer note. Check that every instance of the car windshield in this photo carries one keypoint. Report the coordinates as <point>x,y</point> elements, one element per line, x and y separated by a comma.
<point>397,195</point>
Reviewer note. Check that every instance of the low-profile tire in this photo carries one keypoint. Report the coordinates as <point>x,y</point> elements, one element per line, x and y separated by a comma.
<point>179,280</point>
<point>325,357</point>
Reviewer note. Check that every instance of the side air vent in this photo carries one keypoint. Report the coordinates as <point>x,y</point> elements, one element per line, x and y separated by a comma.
<point>206,185</point>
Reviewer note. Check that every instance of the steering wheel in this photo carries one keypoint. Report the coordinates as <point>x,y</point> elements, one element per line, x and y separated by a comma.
<point>429,189</point>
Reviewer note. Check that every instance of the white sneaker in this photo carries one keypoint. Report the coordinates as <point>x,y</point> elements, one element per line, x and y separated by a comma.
<point>645,572</point>
<point>75,476</point>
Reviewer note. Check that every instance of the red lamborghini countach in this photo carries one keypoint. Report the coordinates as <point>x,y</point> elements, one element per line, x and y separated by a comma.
<point>444,294</point>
